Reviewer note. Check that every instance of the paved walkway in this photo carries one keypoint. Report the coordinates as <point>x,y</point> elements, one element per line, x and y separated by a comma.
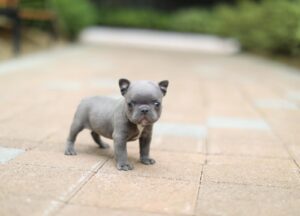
<point>228,142</point>
<point>159,39</point>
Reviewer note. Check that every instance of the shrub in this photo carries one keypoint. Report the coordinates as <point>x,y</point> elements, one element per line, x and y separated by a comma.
<point>126,17</point>
<point>193,20</point>
<point>271,26</point>
<point>74,16</point>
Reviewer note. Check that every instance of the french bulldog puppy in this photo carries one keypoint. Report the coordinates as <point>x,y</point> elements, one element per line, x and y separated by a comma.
<point>126,119</point>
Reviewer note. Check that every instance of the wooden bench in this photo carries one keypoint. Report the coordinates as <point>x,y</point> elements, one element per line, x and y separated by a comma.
<point>12,10</point>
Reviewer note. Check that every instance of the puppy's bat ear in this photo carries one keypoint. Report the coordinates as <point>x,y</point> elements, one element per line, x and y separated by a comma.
<point>124,85</point>
<point>163,85</point>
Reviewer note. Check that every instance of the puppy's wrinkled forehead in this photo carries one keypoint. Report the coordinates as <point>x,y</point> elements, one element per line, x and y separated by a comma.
<point>144,91</point>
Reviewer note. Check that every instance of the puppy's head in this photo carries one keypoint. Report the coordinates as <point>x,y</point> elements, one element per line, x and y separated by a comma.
<point>143,100</point>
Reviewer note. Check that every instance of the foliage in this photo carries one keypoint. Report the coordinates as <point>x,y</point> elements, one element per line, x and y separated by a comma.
<point>142,18</point>
<point>193,20</point>
<point>271,26</point>
<point>74,15</point>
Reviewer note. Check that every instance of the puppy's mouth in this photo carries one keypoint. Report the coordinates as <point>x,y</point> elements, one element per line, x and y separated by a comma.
<point>144,121</point>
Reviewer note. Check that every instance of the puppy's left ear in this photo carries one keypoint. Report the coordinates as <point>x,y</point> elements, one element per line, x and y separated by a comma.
<point>124,85</point>
<point>163,85</point>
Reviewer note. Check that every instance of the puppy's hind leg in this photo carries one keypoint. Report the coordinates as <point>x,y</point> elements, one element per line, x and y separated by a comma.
<point>76,127</point>
<point>98,140</point>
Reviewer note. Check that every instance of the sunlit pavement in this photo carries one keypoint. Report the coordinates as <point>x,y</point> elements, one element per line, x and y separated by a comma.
<point>228,142</point>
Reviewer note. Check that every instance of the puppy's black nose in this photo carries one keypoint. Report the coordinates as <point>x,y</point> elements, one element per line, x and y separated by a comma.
<point>144,110</point>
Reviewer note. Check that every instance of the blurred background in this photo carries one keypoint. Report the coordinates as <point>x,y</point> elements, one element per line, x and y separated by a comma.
<point>265,27</point>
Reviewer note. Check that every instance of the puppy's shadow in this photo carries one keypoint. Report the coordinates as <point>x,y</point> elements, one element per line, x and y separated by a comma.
<point>94,149</point>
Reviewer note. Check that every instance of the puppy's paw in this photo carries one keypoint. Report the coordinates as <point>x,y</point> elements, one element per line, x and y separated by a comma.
<point>147,161</point>
<point>124,166</point>
<point>70,151</point>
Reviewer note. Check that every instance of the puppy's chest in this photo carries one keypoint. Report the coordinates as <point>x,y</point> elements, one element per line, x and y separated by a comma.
<point>136,133</point>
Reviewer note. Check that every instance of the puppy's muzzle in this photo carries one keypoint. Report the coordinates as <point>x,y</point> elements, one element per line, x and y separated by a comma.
<point>144,109</point>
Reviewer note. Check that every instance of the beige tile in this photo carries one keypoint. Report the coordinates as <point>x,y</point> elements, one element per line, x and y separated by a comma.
<point>233,148</point>
<point>84,144</point>
<point>12,204</point>
<point>70,210</point>
<point>260,91</point>
<point>36,110</point>
<point>139,193</point>
<point>169,165</point>
<point>248,161</point>
<point>15,142</point>
<point>169,156</point>
<point>22,101</point>
<point>237,110</point>
<point>39,181</point>
<point>178,144</point>
<point>285,123</point>
<point>241,135</point>
<point>42,119</point>
<point>245,142</point>
<point>232,199</point>
<point>24,130</point>
<point>61,135</point>
<point>59,160</point>
<point>81,148</point>
<point>295,151</point>
<point>268,172</point>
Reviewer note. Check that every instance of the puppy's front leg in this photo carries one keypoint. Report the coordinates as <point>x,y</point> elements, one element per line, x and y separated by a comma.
<point>120,148</point>
<point>145,141</point>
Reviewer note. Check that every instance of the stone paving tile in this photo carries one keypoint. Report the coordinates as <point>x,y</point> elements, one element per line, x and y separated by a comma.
<point>24,130</point>
<point>233,199</point>
<point>254,171</point>
<point>225,99</point>
<point>235,110</point>
<point>294,96</point>
<point>235,147</point>
<point>84,143</point>
<point>38,181</point>
<point>7,154</point>
<point>61,134</point>
<point>179,144</point>
<point>12,204</point>
<point>59,160</point>
<point>237,123</point>
<point>71,210</point>
<point>17,104</point>
<point>37,106</point>
<point>276,104</point>
<point>139,194</point>
<point>18,143</point>
<point>191,108</point>
<point>167,156</point>
<point>260,91</point>
<point>295,151</point>
<point>168,165</point>
<point>285,124</point>
<point>245,142</point>
<point>242,135</point>
<point>34,124</point>
<point>179,129</point>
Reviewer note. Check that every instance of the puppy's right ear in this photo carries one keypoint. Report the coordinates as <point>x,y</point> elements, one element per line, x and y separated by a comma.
<point>163,85</point>
<point>124,85</point>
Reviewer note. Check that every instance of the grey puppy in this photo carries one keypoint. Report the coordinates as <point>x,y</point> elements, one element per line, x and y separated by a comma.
<point>126,119</point>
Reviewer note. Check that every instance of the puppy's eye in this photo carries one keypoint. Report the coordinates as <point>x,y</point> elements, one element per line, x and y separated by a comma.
<point>130,104</point>
<point>157,104</point>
